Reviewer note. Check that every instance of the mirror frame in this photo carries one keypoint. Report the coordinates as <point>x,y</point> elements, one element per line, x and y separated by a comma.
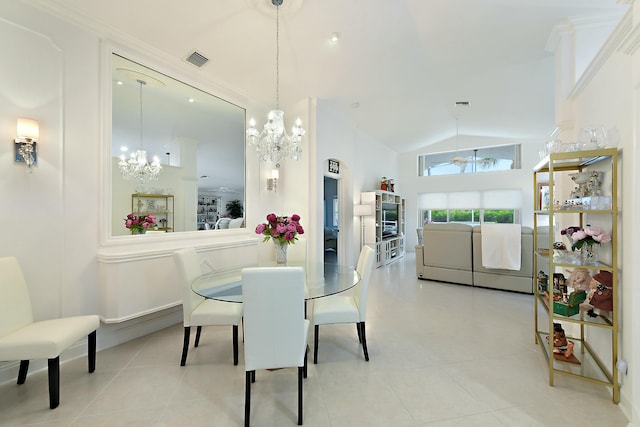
<point>177,70</point>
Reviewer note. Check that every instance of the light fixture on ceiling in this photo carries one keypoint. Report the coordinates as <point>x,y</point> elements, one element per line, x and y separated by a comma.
<point>136,167</point>
<point>274,143</point>
<point>27,134</point>
<point>462,161</point>
<point>334,37</point>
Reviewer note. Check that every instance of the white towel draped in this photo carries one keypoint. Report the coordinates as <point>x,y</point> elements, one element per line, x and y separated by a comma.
<point>501,246</point>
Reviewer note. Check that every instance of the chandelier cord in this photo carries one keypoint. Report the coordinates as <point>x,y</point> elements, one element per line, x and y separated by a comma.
<point>273,143</point>
<point>142,82</point>
<point>277,57</point>
<point>457,119</point>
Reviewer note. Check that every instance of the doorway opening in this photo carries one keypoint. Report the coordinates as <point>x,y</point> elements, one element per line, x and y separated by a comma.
<point>331,220</point>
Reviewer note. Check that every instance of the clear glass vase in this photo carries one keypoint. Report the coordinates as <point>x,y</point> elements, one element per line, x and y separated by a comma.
<point>589,254</point>
<point>281,252</point>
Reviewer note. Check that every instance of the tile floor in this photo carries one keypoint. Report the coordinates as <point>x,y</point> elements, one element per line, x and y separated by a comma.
<point>441,355</point>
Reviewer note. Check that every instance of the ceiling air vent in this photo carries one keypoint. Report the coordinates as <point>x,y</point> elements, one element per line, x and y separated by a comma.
<point>462,103</point>
<point>197,59</point>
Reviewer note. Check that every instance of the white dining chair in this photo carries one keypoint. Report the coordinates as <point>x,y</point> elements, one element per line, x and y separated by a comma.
<point>199,311</point>
<point>346,308</point>
<point>275,329</point>
<point>22,338</point>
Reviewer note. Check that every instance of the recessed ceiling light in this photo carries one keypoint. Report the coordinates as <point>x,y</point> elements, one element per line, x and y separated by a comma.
<point>192,100</point>
<point>334,37</point>
<point>119,83</point>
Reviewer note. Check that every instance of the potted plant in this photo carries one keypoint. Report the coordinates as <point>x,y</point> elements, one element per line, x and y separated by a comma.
<point>235,209</point>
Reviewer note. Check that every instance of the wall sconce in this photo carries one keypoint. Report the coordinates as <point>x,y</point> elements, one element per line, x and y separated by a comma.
<point>27,134</point>
<point>272,183</point>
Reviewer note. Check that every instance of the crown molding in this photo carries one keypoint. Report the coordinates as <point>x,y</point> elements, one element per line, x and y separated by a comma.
<point>613,43</point>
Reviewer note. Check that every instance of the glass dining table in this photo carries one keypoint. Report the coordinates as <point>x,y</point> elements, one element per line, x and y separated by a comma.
<point>321,280</point>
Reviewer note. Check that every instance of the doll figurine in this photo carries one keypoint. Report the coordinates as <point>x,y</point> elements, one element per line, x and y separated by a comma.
<point>580,279</point>
<point>561,345</point>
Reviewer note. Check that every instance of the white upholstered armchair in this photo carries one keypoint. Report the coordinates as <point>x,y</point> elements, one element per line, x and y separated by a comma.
<point>21,338</point>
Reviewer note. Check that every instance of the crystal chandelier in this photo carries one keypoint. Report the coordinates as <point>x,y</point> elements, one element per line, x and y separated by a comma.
<point>136,167</point>
<point>274,143</point>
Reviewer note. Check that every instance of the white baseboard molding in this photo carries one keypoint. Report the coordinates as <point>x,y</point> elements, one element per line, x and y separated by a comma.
<point>109,335</point>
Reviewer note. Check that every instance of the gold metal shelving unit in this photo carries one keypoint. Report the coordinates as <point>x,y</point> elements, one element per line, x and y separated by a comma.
<point>597,363</point>
<point>160,205</point>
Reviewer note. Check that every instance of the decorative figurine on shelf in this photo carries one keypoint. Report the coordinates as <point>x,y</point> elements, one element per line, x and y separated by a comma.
<point>383,183</point>
<point>589,183</point>
<point>600,297</point>
<point>579,279</point>
<point>543,281</point>
<point>561,345</point>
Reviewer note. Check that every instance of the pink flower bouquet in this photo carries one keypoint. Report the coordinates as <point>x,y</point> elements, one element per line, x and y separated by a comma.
<point>590,235</point>
<point>281,228</point>
<point>139,223</point>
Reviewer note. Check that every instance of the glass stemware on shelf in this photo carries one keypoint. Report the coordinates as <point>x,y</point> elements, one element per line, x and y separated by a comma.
<point>589,138</point>
<point>592,138</point>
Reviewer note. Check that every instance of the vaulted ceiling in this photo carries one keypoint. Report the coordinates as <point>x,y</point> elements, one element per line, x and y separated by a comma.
<point>403,63</point>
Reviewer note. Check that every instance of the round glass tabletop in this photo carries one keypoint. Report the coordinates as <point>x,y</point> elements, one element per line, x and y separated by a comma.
<point>322,280</point>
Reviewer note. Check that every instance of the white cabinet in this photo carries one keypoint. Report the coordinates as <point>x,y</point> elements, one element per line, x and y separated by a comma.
<point>385,230</point>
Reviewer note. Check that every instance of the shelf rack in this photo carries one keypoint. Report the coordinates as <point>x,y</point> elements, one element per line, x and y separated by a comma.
<point>594,366</point>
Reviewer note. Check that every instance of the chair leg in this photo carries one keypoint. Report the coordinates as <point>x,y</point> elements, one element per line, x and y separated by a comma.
<point>359,333</point>
<point>198,336</point>
<point>315,344</point>
<point>235,344</point>
<point>54,382</point>
<point>305,363</point>
<point>364,342</point>
<point>22,373</point>
<point>247,396</point>
<point>185,345</point>
<point>300,374</point>
<point>92,351</point>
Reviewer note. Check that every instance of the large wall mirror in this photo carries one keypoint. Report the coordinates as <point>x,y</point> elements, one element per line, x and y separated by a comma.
<point>199,141</point>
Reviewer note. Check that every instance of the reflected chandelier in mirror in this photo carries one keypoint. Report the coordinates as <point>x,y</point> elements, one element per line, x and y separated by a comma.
<point>198,138</point>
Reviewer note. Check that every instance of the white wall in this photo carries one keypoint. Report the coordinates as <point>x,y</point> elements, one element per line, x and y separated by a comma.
<point>607,95</point>
<point>362,162</point>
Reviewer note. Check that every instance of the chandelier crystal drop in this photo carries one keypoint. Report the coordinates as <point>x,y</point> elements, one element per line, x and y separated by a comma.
<point>137,167</point>
<point>273,143</point>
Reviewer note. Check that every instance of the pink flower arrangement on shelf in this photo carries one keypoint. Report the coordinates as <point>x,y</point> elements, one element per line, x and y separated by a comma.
<point>284,229</point>
<point>590,235</point>
<point>139,223</point>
